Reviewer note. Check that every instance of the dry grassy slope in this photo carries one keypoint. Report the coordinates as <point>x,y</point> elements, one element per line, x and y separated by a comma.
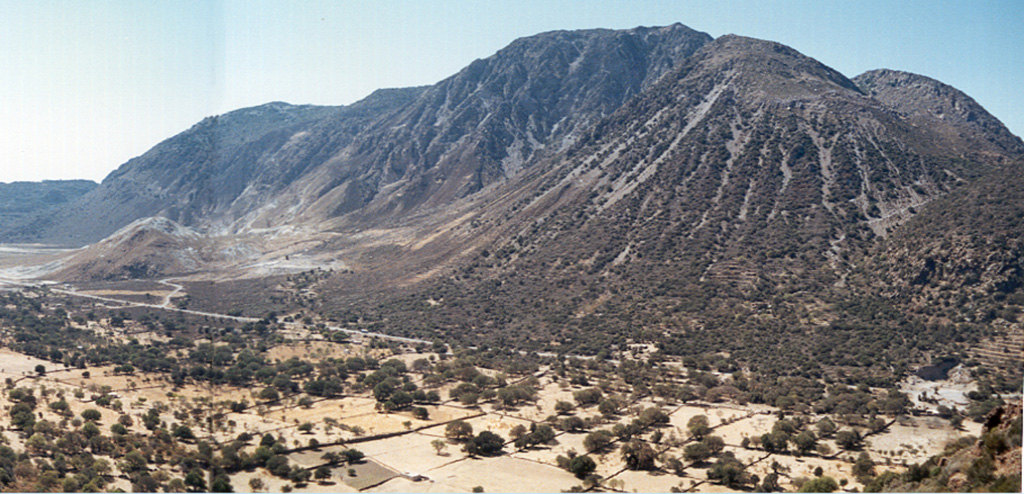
<point>147,248</point>
<point>738,194</point>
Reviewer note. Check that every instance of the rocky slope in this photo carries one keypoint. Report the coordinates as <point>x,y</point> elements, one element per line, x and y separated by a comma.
<point>147,248</point>
<point>720,212</point>
<point>385,156</point>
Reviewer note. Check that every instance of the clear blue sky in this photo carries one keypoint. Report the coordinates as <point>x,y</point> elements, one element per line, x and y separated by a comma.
<point>86,85</point>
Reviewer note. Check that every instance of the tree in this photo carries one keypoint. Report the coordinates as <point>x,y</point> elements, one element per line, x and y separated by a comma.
<point>848,439</point>
<point>638,455</point>
<point>183,432</point>
<point>299,475</point>
<point>195,480</point>
<point>775,442</point>
<point>22,416</point>
<point>591,396</point>
<point>597,440</point>
<point>221,483</point>
<point>653,416</point>
<point>696,452</point>
<point>459,431</point>
<point>37,443</point>
<point>805,442</point>
<point>541,433</point>
<point>771,483</point>
<point>90,430</point>
<point>581,466</point>
<point>714,444</point>
<point>698,426</point>
<point>826,427</point>
<point>517,432</point>
<point>41,369</point>
<point>269,394</point>
<point>439,445</point>
<point>256,484</point>
<point>728,471</point>
<point>322,473</point>
<point>864,467</point>
<point>608,407</point>
<point>134,461</point>
<point>91,414</point>
<point>573,423</point>
<point>563,407</point>
<point>486,443</point>
<point>145,483</point>
<point>352,455</point>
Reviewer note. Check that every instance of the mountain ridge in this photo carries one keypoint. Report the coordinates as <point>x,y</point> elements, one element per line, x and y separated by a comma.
<point>727,197</point>
<point>320,163</point>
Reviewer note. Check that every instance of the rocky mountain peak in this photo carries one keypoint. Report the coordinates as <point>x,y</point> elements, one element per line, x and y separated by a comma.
<point>769,70</point>
<point>924,100</point>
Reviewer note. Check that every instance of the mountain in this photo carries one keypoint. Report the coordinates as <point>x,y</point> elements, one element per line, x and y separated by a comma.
<point>722,212</point>
<point>393,153</point>
<point>202,169</point>
<point>20,200</point>
<point>730,200</point>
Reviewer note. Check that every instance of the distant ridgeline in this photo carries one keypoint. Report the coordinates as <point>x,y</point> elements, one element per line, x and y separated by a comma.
<point>18,200</point>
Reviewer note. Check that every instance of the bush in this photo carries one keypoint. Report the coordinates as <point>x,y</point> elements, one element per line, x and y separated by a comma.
<point>820,484</point>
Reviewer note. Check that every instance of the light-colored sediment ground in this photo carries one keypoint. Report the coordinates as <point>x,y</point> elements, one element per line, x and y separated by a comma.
<point>950,392</point>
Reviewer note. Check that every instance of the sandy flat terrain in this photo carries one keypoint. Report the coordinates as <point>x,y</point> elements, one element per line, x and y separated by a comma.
<point>503,474</point>
<point>15,365</point>
<point>920,439</point>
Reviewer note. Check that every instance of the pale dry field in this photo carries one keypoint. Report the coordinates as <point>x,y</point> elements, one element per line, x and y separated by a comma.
<point>411,453</point>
